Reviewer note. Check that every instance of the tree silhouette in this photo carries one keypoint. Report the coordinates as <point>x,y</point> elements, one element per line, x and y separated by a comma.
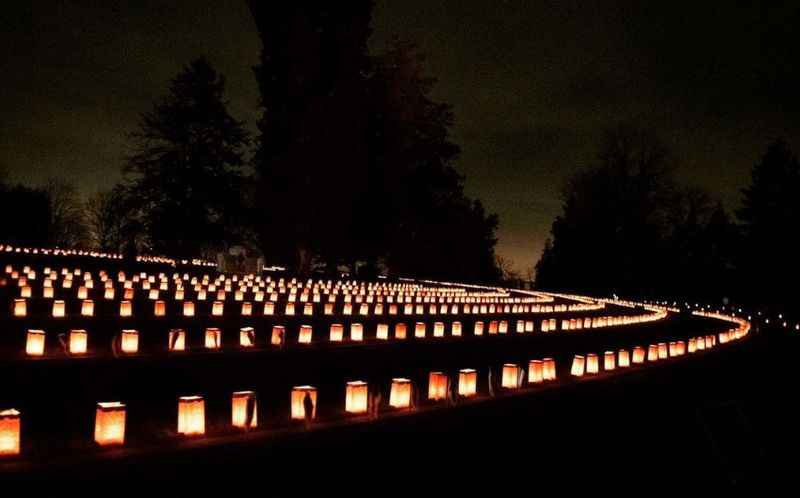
<point>27,215</point>
<point>311,156</point>
<point>613,219</point>
<point>628,228</point>
<point>67,225</point>
<point>50,216</point>
<point>354,160</point>
<point>107,219</point>
<point>770,213</point>
<point>702,243</point>
<point>423,222</point>
<point>183,180</point>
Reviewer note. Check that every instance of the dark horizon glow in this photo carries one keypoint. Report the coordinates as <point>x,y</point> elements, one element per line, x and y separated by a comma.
<point>533,85</point>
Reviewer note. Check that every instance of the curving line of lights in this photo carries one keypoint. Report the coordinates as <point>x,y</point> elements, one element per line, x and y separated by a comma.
<point>110,417</point>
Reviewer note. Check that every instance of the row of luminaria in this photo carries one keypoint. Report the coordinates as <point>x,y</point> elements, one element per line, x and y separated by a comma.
<point>66,253</point>
<point>76,341</point>
<point>258,288</point>
<point>191,419</point>
<point>248,308</point>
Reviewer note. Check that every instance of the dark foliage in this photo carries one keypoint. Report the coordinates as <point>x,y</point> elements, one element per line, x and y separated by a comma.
<point>26,221</point>
<point>109,224</point>
<point>50,216</point>
<point>67,225</point>
<point>354,159</point>
<point>311,157</point>
<point>430,228</point>
<point>770,215</point>
<point>184,180</point>
<point>628,228</point>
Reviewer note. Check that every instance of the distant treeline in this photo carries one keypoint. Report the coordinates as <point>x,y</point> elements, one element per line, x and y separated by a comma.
<point>48,216</point>
<point>628,228</point>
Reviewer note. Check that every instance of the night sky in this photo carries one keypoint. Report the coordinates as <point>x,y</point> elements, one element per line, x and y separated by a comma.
<point>533,84</point>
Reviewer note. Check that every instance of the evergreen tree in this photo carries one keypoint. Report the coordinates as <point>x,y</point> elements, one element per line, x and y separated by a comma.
<point>311,157</point>
<point>769,215</point>
<point>354,160</point>
<point>424,223</point>
<point>183,179</point>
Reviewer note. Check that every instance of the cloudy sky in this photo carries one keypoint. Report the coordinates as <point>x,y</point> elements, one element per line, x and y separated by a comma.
<point>533,83</point>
